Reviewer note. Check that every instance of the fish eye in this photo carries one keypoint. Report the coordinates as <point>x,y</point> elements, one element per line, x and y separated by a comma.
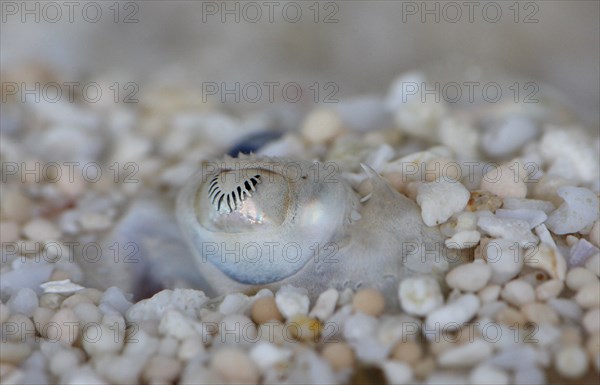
<point>242,200</point>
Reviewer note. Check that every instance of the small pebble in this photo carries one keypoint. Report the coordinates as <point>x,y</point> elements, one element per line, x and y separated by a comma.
<point>539,313</point>
<point>571,335</point>
<point>87,313</point>
<point>397,372</point>
<point>566,308</point>
<point>546,189</point>
<point>339,355</point>
<point>59,275</point>
<point>325,305</point>
<point>74,300</point>
<point>60,286</point>
<point>160,369</point>
<point>513,357</point>
<point>13,352</point>
<point>184,300</point>
<point>489,293</point>
<point>515,230</point>
<point>453,314</point>
<point>51,300</point>
<point>121,369</point>
<point>369,301</point>
<point>18,328</point>
<point>578,277</point>
<point>549,289</point>
<point>15,205</point>
<point>595,234</point>
<point>440,199</point>
<point>101,339</point>
<point>510,316</point>
<point>518,293</point>
<point>25,301</point>
<point>291,300</point>
<point>528,204</point>
<point>408,351</point>
<point>359,326</point>
<point>466,355</point>
<point>4,312</point>
<point>274,332</point>
<point>9,231</point>
<point>288,145</point>
<point>580,209</point>
<point>469,277</point>
<point>482,200</point>
<point>41,230</point>
<point>461,222</point>
<point>593,264</point>
<point>420,295</point>
<point>190,347</point>
<point>94,294</point>
<point>321,126</point>
<point>266,355</point>
<point>459,135</point>
<point>304,328</point>
<point>503,182</point>
<point>118,300</point>
<point>571,147</point>
<point>424,367</point>
<point>177,325</point>
<point>463,240</point>
<point>485,374</point>
<point>548,259</point>
<point>395,328</point>
<point>505,259</point>
<point>67,326</point>
<point>532,217</point>
<point>83,375</point>
<point>63,361</point>
<point>591,320</point>
<point>234,303</point>
<point>571,240</point>
<point>581,250</point>
<point>237,329</point>
<point>10,374</point>
<point>528,376</point>
<point>41,317</point>
<point>571,362</point>
<point>93,221</point>
<point>369,351</point>
<point>588,296</point>
<point>265,309</point>
<point>225,359</point>
<point>593,344</point>
<point>545,336</point>
<point>506,136</point>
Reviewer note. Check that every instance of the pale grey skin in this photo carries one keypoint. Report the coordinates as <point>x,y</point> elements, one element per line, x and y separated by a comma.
<point>384,243</point>
<point>373,243</point>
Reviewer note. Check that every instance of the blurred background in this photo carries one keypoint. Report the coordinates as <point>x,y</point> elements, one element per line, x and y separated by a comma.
<point>361,46</point>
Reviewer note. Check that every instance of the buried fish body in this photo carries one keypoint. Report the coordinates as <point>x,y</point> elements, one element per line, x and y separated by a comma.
<point>262,222</point>
<point>241,224</point>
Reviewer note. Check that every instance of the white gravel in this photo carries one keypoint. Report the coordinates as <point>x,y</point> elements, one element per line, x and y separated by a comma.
<point>440,199</point>
<point>420,295</point>
<point>522,303</point>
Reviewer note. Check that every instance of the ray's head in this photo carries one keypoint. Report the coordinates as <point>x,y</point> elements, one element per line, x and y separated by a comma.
<point>261,220</point>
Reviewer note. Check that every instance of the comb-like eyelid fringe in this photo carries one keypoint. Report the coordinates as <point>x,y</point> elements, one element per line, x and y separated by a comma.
<point>235,197</point>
